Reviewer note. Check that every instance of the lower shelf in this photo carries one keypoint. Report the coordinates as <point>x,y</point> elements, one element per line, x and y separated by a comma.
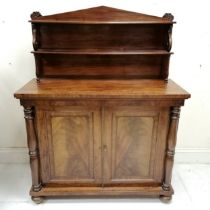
<point>147,191</point>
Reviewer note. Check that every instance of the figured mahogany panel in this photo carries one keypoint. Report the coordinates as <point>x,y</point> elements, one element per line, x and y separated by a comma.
<point>135,145</point>
<point>101,66</point>
<point>72,144</point>
<point>132,146</point>
<point>103,36</point>
<point>70,149</point>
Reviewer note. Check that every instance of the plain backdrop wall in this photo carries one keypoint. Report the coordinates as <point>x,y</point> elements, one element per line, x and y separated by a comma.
<point>189,67</point>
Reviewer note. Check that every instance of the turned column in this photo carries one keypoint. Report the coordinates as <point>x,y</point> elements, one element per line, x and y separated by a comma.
<point>33,148</point>
<point>170,151</point>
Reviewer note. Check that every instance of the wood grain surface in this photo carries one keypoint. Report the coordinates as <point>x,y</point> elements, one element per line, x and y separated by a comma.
<point>100,15</point>
<point>136,89</point>
<point>101,116</point>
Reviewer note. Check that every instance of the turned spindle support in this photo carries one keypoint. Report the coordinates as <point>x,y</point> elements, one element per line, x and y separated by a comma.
<point>170,150</point>
<point>33,148</point>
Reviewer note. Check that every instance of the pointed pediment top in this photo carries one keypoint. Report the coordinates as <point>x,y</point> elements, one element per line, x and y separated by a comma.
<point>100,15</point>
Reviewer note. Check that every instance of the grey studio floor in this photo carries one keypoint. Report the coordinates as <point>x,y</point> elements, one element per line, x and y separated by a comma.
<point>191,183</point>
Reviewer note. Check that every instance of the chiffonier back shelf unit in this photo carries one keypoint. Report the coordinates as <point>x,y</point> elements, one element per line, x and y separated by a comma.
<point>101,116</point>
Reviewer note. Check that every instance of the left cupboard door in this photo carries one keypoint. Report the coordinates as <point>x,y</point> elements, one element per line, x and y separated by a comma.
<point>70,145</point>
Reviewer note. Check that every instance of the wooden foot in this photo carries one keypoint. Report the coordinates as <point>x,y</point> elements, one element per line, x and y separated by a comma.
<point>165,198</point>
<point>37,199</point>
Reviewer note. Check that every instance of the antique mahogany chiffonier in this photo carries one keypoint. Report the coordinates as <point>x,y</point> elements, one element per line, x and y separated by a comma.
<point>102,115</point>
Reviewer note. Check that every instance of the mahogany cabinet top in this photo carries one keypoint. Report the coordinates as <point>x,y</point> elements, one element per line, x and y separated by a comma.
<point>101,15</point>
<point>78,89</point>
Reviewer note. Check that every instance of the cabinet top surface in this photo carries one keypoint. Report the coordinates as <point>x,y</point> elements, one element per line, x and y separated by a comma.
<point>78,89</point>
<point>101,15</point>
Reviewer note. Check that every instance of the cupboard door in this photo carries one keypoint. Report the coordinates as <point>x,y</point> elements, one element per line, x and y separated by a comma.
<point>134,145</point>
<point>70,150</point>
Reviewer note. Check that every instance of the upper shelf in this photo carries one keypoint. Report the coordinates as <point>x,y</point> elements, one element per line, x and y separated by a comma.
<point>101,15</point>
<point>102,52</point>
<point>89,45</point>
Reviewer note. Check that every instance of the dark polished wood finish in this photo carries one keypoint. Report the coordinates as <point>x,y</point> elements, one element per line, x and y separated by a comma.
<point>101,15</point>
<point>119,66</point>
<point>91,44</point>
<point>101,116</point>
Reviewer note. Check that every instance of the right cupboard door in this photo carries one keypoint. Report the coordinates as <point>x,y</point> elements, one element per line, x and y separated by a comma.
<point>134,144</point>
